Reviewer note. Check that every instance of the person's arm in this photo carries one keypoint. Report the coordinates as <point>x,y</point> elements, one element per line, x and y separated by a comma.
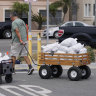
<point>18,35</point>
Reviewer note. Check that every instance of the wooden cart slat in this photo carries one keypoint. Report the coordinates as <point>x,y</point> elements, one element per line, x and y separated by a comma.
<point>64,59</point>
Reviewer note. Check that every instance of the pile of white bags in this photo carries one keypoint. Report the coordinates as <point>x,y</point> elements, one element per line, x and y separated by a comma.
<point>69,45</point>
<point>5,57</point>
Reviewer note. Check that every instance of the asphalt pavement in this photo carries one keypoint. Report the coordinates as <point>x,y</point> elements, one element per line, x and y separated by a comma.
<point>24,85</point>
<point>33,85</point>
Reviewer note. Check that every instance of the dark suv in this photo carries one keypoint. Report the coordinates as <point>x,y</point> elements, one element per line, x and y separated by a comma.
<point>5,30</point>
<point>85,35</point>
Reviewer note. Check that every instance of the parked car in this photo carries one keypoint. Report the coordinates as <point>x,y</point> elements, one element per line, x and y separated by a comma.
<point>85,35</point>
<point>5,30</point>
<point>53,31</point>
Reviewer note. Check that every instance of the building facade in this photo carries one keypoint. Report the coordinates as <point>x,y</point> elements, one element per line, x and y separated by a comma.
<point>86,11</point>
<point>38,6</point>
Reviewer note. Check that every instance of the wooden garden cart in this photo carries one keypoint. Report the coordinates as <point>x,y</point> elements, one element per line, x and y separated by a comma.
<point>51,65</point>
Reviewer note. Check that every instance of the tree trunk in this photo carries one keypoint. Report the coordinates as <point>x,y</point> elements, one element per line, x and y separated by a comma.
<point>40,27</point>
<point>70,12</point>
<point>63,18</point>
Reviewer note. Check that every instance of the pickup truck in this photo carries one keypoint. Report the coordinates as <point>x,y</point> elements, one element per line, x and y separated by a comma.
<point>5,30</point>
<point>84,34</point>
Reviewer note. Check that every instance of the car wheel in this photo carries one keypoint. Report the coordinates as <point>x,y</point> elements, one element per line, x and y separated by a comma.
<point>55,35</point>
<point>74,73</point>
<point>8,78</point>
<point>7,34</point>
<point>56,70</point>
<point>86,72</point>
<point>45,72</point>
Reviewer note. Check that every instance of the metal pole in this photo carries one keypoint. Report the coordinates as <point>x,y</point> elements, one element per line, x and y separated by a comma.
<point>95,12</point>
<point>29,32</point>
<point>29,19</point>
<point>38,49</point>
<point>47,21</point>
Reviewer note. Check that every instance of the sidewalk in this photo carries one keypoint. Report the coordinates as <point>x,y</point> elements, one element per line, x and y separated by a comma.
<point>24,67</point>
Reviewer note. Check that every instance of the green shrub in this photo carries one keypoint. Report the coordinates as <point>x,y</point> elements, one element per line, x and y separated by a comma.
<point>91,53</point>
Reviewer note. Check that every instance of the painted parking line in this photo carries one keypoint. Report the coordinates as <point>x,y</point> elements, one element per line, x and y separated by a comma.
<point>32,90</point>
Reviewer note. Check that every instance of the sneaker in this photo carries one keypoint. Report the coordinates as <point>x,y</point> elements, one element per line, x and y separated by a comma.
<point>30,71</point>
<point>13,71</point>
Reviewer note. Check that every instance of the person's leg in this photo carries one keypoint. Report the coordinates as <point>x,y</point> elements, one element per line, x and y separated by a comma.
<point>31,69</point>
<point>14,59</point>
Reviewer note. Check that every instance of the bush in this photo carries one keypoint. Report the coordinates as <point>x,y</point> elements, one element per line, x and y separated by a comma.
<point>91,53</point>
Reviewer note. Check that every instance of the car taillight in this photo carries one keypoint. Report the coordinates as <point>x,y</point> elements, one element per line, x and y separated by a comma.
<point>60,33</point>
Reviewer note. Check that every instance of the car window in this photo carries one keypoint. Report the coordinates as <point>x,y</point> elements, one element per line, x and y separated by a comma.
<point>69,24</point>
<point>78,24</point>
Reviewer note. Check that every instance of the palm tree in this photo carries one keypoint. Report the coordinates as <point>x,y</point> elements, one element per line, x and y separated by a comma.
<point>20,8</point>
<point>64,4</point>
<point>39,19</point>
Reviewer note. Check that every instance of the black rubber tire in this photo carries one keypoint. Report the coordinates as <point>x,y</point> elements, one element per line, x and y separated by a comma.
<point>48,72</point>
<point>55,35</point>
<point>76,71</point>
<point>86,72</point>
<point>0,79</point>
<point>56,70</point>
<point>8,78</point>
<point>5,34</point>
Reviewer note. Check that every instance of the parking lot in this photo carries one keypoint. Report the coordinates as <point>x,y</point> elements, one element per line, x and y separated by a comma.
<point>24,85</point>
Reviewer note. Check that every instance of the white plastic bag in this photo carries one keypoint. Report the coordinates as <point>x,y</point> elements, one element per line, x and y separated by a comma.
<point>76,48</point>
<point>63,49</point>
<point>6,57</point>
<point>50,47</point>
<point>83,50</point>
<point>60,52</point>
<point>69,42</point>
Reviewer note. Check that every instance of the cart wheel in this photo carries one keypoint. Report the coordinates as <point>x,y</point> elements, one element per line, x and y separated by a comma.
<point>74,73</point>
<point>8,78</point>
<point>0,80</point>
<point>56,70</point>
<point>86,71</point>
<point>45,72</point>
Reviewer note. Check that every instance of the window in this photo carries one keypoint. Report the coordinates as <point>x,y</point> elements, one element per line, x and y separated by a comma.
<point>78,24</point>
<point>7,15</point>
<point>69,24</point>
<point>87,10</point>
<point>93,9</point>
<point>52,20</point>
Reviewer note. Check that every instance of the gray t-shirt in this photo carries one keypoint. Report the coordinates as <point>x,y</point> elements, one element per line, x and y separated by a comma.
<point>18,23</point>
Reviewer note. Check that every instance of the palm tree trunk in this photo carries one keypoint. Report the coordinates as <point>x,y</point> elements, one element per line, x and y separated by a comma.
<point>63,18</point>
<point>70,13</point>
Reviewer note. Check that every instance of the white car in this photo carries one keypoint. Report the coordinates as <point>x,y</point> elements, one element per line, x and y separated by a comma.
<point>53,31</point>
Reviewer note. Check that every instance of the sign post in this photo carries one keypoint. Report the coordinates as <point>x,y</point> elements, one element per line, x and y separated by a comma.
<point>47,21</point>
<point>29,32</point>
